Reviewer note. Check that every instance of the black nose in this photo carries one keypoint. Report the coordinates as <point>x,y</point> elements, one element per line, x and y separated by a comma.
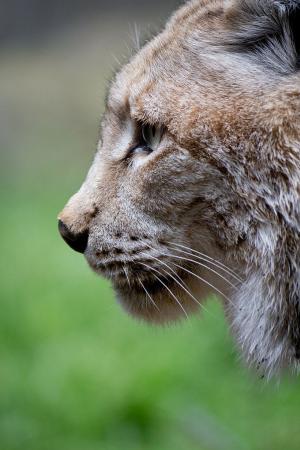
<point>77,242</point>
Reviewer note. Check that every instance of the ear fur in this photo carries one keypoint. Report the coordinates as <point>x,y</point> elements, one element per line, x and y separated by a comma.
<point>266,30</point>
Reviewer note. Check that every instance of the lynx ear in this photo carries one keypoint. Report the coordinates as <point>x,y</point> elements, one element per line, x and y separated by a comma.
<point>267,30</point>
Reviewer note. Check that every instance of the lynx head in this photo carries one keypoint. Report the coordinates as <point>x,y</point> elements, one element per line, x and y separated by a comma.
<point>195,185</point>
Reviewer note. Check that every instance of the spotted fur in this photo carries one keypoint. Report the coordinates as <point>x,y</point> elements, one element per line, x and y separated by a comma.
<point>222,80</point>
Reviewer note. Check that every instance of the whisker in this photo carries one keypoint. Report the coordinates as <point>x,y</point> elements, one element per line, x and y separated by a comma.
<point>219,263</point>
<point>165,264</point>
<point>200,264</point>
<point>204,281</point>
<point>168,289</point>
<point>126,274</point>
<point>203,258</point>
<point>195,262</point>
<point>116,59</point>
<point>136,37</point>
<point>147,294</point>
<point>181,284</point>
<point>206,267</point>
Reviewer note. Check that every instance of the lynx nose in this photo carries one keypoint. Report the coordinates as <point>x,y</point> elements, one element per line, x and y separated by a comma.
<point>77,242</point>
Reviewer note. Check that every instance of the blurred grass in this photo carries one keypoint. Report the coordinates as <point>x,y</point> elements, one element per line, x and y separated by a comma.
<point>77,373</point>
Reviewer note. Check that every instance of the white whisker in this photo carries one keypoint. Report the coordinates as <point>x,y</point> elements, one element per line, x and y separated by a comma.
<point>147,294</point>
<point>200,264</point>
<point>126,274</point>
<point>136,37</point>
<point>163,263</point>
<point>204,281</point>
<point>206,267</point>
<point>168,289</point>
<point>208,261</point>
<point>116,60</point>
<point>219,263</point>
<point>183,287</point>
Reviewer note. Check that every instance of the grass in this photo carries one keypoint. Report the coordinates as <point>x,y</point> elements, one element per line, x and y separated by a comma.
<point>76,372</point>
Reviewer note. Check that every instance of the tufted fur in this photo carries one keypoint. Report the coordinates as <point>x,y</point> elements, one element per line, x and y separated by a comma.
<point>222,80</point>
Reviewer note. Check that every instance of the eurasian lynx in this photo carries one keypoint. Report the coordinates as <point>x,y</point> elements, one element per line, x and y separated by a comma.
<point>195,187</point>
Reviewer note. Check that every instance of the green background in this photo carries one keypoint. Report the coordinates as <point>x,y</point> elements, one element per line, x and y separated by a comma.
<point>76,372</point>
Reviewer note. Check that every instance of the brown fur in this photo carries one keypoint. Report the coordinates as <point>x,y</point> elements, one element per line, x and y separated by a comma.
<point>224,180</point>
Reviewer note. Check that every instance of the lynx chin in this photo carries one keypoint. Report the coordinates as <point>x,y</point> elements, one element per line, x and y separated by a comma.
<point>195,187</point>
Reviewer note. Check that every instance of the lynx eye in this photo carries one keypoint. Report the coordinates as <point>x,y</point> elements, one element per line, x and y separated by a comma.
<point>151,136</point>
<point>149,140</point>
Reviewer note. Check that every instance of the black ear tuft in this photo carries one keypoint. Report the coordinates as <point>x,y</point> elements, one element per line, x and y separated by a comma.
<point>267,30</point>
<point>294,23</point>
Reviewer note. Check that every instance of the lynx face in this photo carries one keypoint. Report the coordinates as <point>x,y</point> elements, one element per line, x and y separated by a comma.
<point>195,185</point>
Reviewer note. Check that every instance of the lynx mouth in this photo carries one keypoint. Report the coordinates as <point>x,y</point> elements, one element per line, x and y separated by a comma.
<point>149,290</point>
<point>142,284</point>
<point>137,277</point>
<point>154,300</point>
